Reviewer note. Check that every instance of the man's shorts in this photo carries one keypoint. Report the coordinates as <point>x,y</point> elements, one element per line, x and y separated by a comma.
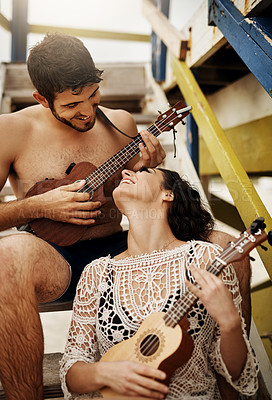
<point>83,252</point>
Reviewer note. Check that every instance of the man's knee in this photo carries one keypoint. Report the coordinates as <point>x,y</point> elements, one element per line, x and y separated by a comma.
<point>13,252</point>
<point>28,262</point>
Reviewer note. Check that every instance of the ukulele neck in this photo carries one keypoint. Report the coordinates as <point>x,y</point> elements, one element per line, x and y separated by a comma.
<point>188,300</point>
<point>115,163</point>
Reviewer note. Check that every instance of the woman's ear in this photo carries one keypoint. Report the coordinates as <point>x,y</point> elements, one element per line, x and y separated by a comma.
<point>40,99</point>
<point>168,195</point>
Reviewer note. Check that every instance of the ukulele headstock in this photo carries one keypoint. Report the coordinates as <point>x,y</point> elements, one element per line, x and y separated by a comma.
<point>248,240</point>
<point>167,120</point>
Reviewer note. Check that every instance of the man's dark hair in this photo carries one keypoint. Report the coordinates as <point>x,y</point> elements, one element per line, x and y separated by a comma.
<point>60,62</point>
<point>187,216</point>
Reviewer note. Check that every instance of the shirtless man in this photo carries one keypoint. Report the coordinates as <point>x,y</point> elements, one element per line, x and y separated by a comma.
<point>42,141</point>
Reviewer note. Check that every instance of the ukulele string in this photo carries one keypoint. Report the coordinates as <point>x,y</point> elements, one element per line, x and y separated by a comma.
<point>187,300</point>
<point>155,128</point>
<point>131,145</point>
<point>213,268</point>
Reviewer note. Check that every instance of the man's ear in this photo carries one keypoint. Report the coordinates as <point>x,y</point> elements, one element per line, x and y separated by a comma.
<point>168,195</point>
<point>40,99</point>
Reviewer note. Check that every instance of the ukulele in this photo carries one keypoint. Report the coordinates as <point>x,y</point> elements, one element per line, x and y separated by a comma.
<point>162,340</point>
<point>65,234</point>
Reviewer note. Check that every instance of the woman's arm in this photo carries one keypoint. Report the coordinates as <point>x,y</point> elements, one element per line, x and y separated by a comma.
<point>125,377</point>
<point>81,343</point>
<point>219,303</point>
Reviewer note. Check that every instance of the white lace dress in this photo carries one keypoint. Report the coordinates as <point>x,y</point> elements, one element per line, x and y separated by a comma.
<point>114,297</point>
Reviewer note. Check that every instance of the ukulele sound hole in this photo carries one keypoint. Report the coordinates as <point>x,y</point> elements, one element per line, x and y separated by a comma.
<point>150,345</point>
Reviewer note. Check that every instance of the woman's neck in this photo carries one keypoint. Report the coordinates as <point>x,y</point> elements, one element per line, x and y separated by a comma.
<point>147,235</point>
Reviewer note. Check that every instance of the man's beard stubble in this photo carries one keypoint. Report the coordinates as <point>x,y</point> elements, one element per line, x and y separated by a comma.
<point>87,127</point>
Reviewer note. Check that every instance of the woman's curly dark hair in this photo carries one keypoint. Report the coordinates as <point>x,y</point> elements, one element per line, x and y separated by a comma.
<point>187,216</point>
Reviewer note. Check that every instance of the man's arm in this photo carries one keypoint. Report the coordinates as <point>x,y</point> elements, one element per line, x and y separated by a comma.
<point>62,204</point>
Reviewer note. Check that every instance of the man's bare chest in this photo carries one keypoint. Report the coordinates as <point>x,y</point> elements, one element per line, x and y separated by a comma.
<point>52,160</point>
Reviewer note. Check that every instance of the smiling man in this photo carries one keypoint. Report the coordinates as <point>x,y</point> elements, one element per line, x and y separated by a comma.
<point>40,142</point>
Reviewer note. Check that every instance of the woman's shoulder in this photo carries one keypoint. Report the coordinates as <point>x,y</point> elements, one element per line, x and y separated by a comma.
<point>203,253</point>
<point>97,264</point>
<point>201,245</point>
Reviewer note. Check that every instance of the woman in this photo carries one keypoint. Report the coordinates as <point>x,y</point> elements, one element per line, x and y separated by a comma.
<point>167,242</point>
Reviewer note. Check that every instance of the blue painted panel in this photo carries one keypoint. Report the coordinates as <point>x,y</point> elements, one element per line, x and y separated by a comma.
<point>247,40</point>
<point>159,49</point>
<point>260,29</point>
<point>193,141</point>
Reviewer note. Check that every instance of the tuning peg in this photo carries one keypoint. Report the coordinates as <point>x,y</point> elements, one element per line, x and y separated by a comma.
<point>263,247</point>
<point>183,122</point>
<point>257,224</point>
<point>251,258</point>
<point>269,238</point>
<point>159,111</point>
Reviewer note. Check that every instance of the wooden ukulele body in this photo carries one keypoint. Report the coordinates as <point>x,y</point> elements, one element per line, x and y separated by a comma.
<point>172,347</point>
<point>63,233</point>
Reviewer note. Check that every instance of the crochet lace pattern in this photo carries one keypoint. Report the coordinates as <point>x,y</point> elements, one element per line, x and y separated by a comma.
<point>115,296</point>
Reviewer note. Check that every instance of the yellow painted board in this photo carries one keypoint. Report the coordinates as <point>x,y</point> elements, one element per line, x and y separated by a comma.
<point>252,143</point>
<point>4,22</point>
<point>90,33</point>
<point>245,197</point>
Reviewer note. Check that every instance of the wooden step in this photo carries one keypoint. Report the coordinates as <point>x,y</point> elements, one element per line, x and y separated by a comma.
<point>51,380</point>
<point>56,306</point>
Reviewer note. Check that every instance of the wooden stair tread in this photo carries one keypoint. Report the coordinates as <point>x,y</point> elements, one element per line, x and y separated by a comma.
<point>56,306</point>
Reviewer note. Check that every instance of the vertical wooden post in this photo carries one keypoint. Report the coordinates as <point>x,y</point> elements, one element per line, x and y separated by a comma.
<point>19,30</point>
<point>158,47</point>
<point>192,141</point>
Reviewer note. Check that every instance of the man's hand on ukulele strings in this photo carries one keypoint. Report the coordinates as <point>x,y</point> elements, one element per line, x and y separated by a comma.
<point>66,204</point>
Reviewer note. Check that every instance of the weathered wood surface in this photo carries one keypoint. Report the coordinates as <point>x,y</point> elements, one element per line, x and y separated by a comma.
<point>56,306</point>
<point>203,40</point>
<point>175,40</point>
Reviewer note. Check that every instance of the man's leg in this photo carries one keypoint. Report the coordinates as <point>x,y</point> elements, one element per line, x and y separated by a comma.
<point>243,272</point>
<point>31,271</point>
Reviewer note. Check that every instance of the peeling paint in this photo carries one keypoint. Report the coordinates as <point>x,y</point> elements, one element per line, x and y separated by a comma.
<point>249,21</point>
